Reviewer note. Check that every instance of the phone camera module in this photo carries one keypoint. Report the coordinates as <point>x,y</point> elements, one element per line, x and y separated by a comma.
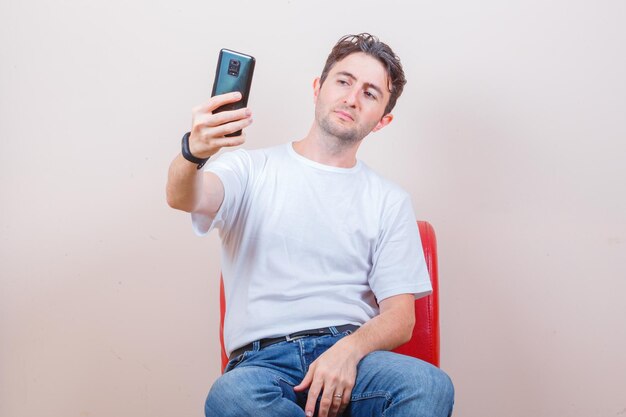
<point>233,67</point>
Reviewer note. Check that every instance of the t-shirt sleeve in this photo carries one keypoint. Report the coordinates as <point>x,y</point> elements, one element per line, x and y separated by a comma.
<point>233,169</point>
<point>398,265</point>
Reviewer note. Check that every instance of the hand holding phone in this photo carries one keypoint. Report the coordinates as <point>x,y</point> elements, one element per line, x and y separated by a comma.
<point>234,73</point>
<point>219,122</point>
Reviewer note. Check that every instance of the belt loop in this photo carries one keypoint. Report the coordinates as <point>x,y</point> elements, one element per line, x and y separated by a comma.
<point>333,330</point>
<point>256,345</point>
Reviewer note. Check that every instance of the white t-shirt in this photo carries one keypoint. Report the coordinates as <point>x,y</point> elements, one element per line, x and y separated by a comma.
<point>306,245</point>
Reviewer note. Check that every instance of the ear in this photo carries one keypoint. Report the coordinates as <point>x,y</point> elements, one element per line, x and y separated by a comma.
<point>316,89</point>
<point>386,119</point>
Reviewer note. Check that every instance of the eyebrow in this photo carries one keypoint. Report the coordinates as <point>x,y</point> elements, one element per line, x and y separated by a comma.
<point>350,75</point>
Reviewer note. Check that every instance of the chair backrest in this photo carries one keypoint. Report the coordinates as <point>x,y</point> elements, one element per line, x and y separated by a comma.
<point>424,343</point>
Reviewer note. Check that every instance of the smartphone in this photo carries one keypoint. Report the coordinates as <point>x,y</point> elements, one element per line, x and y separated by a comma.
<point>234,73</point>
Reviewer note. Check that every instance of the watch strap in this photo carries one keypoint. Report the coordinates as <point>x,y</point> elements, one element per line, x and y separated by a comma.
<point>188,155</point>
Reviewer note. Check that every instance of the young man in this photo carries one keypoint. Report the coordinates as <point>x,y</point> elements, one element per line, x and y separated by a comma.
<point>320,255</point>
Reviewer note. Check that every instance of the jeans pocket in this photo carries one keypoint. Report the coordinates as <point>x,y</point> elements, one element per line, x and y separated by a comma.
<point>235,361</point>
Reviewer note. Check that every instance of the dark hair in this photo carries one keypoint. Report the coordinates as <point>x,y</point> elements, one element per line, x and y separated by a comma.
<point>369,44</point>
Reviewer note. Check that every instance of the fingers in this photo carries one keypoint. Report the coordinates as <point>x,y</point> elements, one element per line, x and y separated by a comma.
<point>207,119</point>
<point>332,402</point>
<point>314,393</point>
<point>344,401</point>
<point>326,402</point>
<point>335,405</point>
<point>228,142</point>
<point>209,130</point>
<point>334,399</point>
<point>306,381</point>
<point>221,130</point>
<point>218,101</point>
<point>314,390</point>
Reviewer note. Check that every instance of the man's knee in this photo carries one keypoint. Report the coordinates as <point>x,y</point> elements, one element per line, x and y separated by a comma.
<point>442,388</point>
<point>247,392</point>
<point>224,398</point>
<point>432,389</point>
<point>414,383</point>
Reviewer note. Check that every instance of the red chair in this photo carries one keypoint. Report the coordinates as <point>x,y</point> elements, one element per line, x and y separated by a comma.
<point>424,343</point>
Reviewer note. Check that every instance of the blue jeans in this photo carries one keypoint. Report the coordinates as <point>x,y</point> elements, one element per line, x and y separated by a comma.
<point>259,383</point>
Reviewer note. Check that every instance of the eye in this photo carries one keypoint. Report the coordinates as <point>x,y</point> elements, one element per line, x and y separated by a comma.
<point>342,81</point>
<point>370,95</point>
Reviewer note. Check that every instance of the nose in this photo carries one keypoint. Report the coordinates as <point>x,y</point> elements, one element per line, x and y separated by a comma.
<point>352,97</point>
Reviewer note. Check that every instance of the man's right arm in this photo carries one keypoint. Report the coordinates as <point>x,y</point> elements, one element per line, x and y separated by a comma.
<point>193,190</point>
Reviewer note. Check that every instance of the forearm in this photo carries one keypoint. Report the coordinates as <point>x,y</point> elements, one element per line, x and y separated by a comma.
<point>388,330</point>
<point>184,185</point>
<point>188,188</point>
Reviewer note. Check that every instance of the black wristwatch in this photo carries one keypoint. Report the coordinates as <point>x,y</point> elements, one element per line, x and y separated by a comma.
<point>189,156</point>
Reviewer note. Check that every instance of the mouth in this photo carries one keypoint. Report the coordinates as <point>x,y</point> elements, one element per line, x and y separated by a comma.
<point>344,115</point>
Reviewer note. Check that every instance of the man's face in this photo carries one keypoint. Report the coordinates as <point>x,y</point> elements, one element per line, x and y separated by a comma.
<point>351,102</point>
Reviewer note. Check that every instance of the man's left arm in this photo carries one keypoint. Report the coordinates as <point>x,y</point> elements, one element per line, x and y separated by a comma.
<point>333,374</point>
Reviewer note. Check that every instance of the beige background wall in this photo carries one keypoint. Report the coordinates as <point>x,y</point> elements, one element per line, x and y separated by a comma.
<point>510,137</point>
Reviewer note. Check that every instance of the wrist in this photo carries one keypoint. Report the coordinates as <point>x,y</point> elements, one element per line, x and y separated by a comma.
<point>186,152</point>
<point>356,350</point>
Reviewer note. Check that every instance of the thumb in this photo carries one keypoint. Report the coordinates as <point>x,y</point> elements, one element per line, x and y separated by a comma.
<point>306,382</point>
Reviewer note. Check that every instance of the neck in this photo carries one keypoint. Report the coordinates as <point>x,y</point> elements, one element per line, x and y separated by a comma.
<point>327,149</point>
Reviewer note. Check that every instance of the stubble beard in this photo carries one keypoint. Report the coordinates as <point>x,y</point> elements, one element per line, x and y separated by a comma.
<point>345,135</point>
